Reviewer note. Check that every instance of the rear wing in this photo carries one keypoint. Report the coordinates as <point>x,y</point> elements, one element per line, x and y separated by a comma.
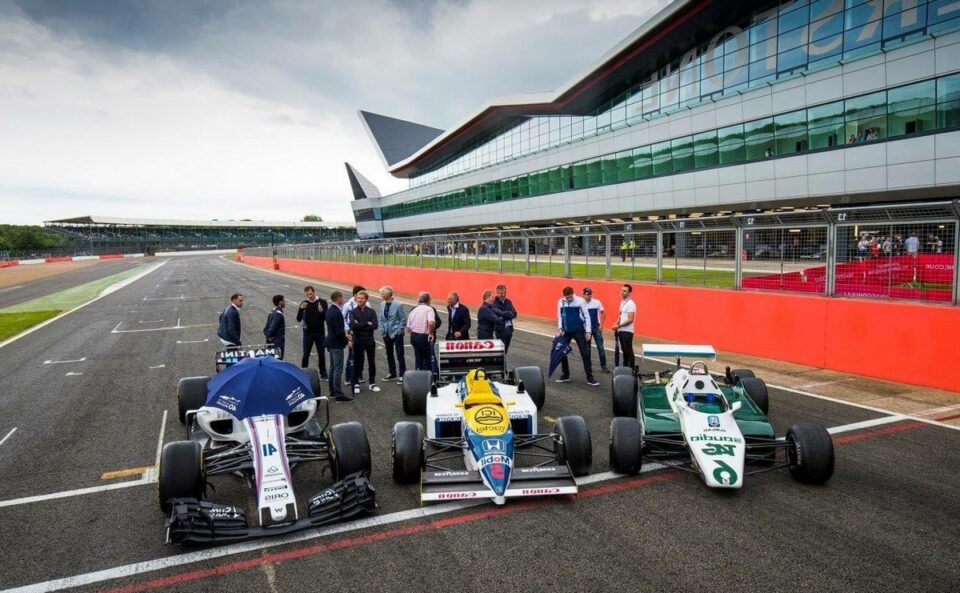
<point>232,356</point>
<point>679,351</point>
<point>455,358</point>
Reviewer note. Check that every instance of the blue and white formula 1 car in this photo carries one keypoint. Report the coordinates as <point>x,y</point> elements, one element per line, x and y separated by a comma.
<point>259,431</point>
<point>479,431</point>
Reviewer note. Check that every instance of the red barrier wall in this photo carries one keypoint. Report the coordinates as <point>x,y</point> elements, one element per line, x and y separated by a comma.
<point>905,342</point>
<point>53,260</point>
<point>112,256</point>
<point>9,264</point>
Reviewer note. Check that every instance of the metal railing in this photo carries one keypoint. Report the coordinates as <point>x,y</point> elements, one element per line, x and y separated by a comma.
<point>901,251</point>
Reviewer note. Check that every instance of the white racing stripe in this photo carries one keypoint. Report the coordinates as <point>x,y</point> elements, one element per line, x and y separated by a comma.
<point>9,434</point>
<point>109,290</point>
<point>148,566</point>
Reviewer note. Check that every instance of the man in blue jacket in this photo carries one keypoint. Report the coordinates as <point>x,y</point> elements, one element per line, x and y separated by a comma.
<point>489,323</point>
<point>573,319</point>
<point>229,329</point>
<point>276,328</point>
<point>336,341</point>
<point>393,321</point>
<point>504,308</point>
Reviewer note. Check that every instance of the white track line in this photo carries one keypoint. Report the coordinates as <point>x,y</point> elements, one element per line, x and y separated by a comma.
<point>64,361</point>
<point>69,493</point>
<point>139,568</point>
<point>109,290</point>
<point>9,434</point>
<point>667,362</point>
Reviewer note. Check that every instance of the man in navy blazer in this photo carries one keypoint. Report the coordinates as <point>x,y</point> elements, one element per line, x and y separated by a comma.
<point>458,318</point>
<point>336,341</point>
<point>276,328</point>
<point>229,329</point>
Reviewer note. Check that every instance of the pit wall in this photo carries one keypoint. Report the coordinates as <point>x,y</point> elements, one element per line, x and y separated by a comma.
<point>896,341</point>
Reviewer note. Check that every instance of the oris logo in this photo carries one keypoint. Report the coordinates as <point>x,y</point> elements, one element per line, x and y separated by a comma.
<point>469,345</point>
<point>535,491</point>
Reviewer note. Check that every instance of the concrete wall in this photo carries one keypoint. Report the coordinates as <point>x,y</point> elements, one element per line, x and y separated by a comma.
<point>896,341</point>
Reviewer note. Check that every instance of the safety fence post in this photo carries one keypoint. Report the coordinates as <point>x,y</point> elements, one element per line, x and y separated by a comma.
<point>566,256</point>
<point>607,269</point>
<point>956,263</point>
<point>831,257</point>
<point>738,262</point>
<point>659,255</point>
<point>526,255</point>
<point>499,255</point>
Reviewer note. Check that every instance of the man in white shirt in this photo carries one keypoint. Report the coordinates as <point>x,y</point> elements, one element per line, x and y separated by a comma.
<point>421,323</point>
<point>598,317</point>
<point>624,326</point>
<point>912,244</point>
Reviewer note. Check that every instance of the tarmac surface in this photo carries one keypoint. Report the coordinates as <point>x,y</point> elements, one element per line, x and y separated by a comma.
<point>94,393</point>
<point>25,291</point>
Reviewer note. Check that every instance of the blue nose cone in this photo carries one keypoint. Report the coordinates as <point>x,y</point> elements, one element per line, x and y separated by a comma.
<point>495,457</point>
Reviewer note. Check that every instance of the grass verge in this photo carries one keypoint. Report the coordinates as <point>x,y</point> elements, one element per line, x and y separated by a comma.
<point>12,324</point>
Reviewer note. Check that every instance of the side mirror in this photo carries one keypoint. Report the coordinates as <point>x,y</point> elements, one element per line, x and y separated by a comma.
<point>521,388</point>
<point>736,406</point>
<point>433,390</point>
<point>459,405</point>
<point>510,402</point>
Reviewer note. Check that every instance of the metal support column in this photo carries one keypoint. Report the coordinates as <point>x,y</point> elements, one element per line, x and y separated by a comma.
<point>476,254</point>
<point>659,256</point>
<point>436,254</point>
<point>526,255</point>
<point>831,257</point>
<point>420,252</point>
<point>499,255</point>
<point>606,272</point>
<point>566,256</point>
<point>738,265</point>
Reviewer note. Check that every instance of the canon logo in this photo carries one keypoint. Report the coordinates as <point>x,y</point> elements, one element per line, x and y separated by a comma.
<point>527,491</point>
<point>453,495</point>
<point>469,345</point>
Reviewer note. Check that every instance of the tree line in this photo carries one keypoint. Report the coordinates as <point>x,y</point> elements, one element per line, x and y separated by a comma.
<point>27,238</point>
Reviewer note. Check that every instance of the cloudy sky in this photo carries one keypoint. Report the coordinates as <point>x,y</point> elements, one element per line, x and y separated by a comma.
<point>205,109</point>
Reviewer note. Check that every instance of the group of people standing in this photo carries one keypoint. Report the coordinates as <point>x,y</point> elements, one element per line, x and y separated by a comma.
<point>346,330</point>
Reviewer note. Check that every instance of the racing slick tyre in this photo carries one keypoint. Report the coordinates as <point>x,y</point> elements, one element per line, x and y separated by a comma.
<point>757,390</point>
<point>625,371</point>
<point>191,395</point>
<point>415,389</point>
<point>572,444</point>
<point>349,450</point>
<point>624,390</point>
<point>313,377</point>
<point>533,384</point>
<point>626,446</point>
<point>810,453</point>
<point>181,473</point>
<point>738,374</point>
<point>407,452</point>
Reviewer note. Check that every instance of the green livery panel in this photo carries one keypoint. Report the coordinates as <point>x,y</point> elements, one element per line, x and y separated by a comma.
<point>658,417</point>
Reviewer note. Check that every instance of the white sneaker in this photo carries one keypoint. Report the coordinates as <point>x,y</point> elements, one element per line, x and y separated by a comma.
<point>356,390</point>
<point>374,387</point>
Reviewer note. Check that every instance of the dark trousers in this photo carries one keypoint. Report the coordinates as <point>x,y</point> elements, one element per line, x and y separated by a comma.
<point>348,367</point>
<point>421,351</point>
<point>581,339</point>
<point>505,336</point>
<point>626,348</point>
<point>336,371</point>
<point>394,348</point>
<point>364,349</point>
<point>597,332</point>
<point>309,341</point>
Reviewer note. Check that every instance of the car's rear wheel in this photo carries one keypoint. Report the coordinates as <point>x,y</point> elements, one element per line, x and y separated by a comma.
<point>572,444</point>
<point>414,391</point>
<point>180,473</point>
<point>191,395</point>
<point>626,446</point>
<point>313,377</point>
<point>756,390</point>
<point>623,371</point>
<point>407,452</point>
<point>738,374</point>
<point>624,391</point>
<point>810,453</point>
<point>533,384</point>
<point>349,450</point>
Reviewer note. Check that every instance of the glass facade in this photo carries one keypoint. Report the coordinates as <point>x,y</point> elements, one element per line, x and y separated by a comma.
<point>775,43</point>
<point>926,106</point>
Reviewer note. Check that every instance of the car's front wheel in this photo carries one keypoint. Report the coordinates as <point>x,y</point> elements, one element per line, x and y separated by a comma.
<point>810,453</point>
<point>626,446</point>
<point>349,450</point>
<point>573,445</point>
<point>407,452</point>
<point>180,473</point>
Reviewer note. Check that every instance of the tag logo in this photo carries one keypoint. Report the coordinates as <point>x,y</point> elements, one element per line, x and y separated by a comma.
<point>713,422</point>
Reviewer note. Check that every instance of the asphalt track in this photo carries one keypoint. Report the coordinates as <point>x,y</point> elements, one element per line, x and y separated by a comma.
<point>13,295</point>
<point>887,521</point>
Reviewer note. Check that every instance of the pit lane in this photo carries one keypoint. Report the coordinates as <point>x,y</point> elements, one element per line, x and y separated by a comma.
<point>885,500</point>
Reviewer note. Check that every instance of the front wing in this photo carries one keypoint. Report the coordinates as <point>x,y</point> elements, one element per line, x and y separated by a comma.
<point>524,481</point>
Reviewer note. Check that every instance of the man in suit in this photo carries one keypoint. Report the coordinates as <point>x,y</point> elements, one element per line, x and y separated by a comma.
<point>488,322</point>
<point>505,310</point>
<point>276,328</point>
<point>311,316</point>
<point>229,329</point>
<point>393,320</point>
<point>336,341</point>
<point>458,319</point>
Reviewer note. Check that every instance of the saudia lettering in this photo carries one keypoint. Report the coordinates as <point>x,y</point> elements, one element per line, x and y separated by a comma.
<point>469,345</point>
<point>715,438</point>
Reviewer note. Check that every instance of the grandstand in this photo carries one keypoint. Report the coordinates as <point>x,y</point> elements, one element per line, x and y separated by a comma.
<point>89,235</point>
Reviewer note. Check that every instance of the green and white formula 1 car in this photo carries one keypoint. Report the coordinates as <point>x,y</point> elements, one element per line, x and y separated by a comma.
<point>685,419</point>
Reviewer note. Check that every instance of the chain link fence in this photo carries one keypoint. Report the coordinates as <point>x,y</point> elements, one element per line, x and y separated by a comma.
<point>903,251</point>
